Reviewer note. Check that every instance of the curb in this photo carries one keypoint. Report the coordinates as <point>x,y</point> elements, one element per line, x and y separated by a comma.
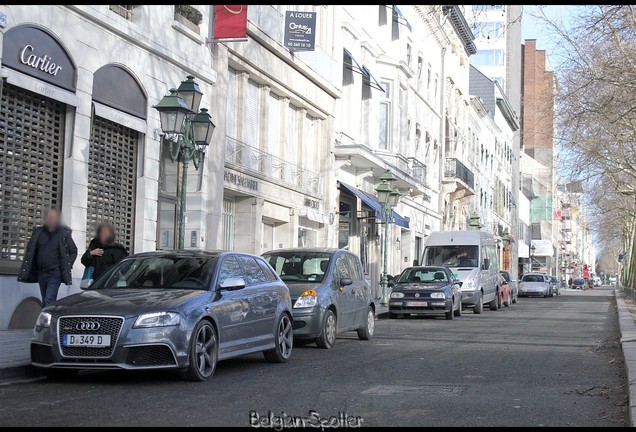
<point>628,344</point>
<point>18,372</point>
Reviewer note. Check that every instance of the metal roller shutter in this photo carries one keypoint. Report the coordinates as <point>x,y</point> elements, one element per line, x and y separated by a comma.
<point>112,179</point>
<point>32,149</point>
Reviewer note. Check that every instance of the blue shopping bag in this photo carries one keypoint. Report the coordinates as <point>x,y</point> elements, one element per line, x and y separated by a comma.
<point>88,273</point>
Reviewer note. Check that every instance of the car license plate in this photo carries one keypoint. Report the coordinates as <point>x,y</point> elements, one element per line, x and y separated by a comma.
<point>416,303</point>
<point>86,340</point>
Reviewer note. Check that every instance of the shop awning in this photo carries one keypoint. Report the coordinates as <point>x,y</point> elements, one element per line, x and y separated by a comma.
<point>372,202</point>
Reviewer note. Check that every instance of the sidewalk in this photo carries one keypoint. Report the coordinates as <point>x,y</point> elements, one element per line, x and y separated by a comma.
<point>627,326</point>
<point>14,354</point>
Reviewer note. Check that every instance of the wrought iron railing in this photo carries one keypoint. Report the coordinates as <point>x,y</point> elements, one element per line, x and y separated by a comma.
<point>418,170</point>
<point>455,169</point>
<point>245,157</point>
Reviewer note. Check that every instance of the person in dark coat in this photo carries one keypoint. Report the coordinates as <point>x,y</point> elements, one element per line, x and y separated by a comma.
<point>103,252</point>
<point>49,258</point>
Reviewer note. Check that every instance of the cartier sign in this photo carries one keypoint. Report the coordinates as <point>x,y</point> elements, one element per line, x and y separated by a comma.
<point>34,51</point>
<point>44,63</point>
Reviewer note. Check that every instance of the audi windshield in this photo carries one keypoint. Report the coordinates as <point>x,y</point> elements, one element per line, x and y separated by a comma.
<point>163,272</point>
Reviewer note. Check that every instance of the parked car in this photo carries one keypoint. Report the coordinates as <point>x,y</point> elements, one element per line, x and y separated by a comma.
<point>472,258</point>
<point>329,293</point>
<point>182,310</point>
<point>512,283</point>
<point>505,293</point>
<point>579,283</point>
<point>556,287</point>
<point>535,284</point>
<point>426,291</point>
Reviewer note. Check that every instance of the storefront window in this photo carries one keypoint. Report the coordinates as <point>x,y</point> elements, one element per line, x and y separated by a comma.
<point>344,225</point>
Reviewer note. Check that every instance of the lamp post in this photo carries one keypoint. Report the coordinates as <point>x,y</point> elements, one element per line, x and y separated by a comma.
<point>388,196</point>
<point>474,223</point>
<point>188,133</point>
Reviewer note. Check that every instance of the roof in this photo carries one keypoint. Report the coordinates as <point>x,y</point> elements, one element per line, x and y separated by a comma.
<point>461,27</point>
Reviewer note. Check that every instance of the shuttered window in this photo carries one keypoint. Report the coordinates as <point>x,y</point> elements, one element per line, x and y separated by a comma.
<point>31,149</point>
<point>228,223</point>
<point>253,114</point>
<point>273,124</point>
<point>291,138</point>
<point>230,113</point>
<point>112,179</point>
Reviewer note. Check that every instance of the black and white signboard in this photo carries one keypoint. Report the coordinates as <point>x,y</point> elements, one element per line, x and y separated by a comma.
<point>300,30</point>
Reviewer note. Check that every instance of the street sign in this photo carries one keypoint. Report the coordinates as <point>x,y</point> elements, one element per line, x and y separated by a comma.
<point>300,30</point>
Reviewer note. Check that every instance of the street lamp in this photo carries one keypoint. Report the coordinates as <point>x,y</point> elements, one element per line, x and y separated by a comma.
<point>474,223</point>
<point>388,196</point>
<point>188,133</point>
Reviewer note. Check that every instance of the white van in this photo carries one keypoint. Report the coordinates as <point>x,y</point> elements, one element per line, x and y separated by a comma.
<point>472,257</point>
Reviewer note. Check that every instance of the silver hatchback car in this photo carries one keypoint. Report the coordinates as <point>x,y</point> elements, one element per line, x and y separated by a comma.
<point>180,310</point>
<point>329,293</point>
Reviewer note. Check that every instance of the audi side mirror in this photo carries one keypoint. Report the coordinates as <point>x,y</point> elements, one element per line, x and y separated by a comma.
<point>231,284</point>
<point>345,282</point>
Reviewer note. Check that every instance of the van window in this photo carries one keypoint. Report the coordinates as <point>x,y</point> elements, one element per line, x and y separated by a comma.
<point>452,256</point>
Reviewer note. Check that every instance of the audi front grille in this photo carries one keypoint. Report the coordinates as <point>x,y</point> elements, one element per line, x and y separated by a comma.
<point>107,326</point>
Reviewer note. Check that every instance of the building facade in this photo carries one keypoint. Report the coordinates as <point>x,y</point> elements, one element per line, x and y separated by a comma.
<point>539,88</point>
<point>79,131</point>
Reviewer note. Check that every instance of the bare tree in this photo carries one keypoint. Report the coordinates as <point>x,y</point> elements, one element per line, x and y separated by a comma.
<point>597,118</point>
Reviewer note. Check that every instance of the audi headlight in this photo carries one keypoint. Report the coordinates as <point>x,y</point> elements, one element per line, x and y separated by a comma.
<point>468,285</point>
<point>158,319</point>
<point>44,320</point>
<point>438,295</point>
<point>307,299</point>
<point>397,295</point>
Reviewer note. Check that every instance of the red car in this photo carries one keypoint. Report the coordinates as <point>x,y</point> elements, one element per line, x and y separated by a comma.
<point>505,293</point>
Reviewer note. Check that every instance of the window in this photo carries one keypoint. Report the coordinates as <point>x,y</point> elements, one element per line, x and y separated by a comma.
<point>383,122</point>
<point>229,206</point>
<point>229,269</point>
<point>428,79</point>
<point>273,124</point>
<point>31,143</point>
<point>418,248</point>
<point>267,271</point>
<point>253,114</point>
<point>230,107</point>
<point>299,266</point>
<point>408,54</point>
<point>354,264</point>
<point>404,132</point>
<point>125,11</point>
<point>491,30</point>
<point>252,271</point>
<point>452,256</point>
<point>309,144</point>
<point>291,154</point>
<point>112,179</point>
<point>493,57</point>
<point>420,66</point>
<point>342,269</point>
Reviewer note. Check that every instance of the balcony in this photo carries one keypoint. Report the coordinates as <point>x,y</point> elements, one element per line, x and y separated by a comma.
<point>254,161</point>
<point>455,171</point>
<point>410,172</point>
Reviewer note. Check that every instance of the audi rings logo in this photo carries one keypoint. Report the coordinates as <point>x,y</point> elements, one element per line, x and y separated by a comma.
<point>87,325</point>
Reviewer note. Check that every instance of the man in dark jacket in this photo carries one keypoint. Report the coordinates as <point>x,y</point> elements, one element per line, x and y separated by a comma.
<point>103,252</point>
<point>49,257</point>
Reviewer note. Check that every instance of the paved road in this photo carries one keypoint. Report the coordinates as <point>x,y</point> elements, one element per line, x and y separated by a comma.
<point>550,362</point>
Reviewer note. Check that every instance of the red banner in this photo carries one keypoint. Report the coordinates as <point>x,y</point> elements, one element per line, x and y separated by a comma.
<point>230,21</point>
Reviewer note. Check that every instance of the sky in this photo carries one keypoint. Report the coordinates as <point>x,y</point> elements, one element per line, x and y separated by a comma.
<point>533,28</point>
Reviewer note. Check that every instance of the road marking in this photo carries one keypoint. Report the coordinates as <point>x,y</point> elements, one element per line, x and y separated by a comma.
<point>473,376</point>
<point>432,389</point>
<point>22,381</point>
